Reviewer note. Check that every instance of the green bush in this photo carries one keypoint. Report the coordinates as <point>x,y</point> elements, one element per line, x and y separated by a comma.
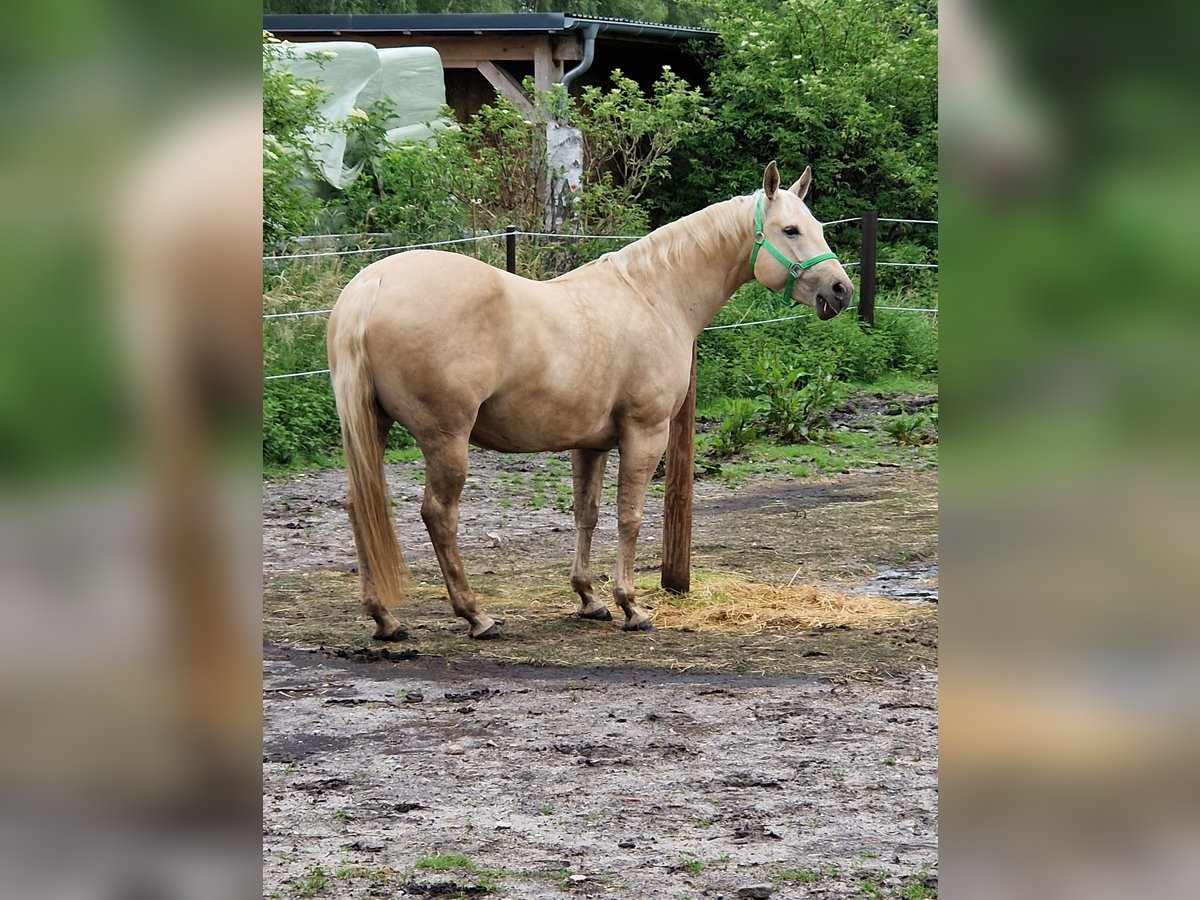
<point>850,88</point>
<point>795,402</point>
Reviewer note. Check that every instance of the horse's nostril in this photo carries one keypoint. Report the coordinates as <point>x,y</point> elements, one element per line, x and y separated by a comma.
<point>839,288</point>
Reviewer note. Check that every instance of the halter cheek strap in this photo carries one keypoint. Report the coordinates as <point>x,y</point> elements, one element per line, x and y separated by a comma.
<point>795,269</point>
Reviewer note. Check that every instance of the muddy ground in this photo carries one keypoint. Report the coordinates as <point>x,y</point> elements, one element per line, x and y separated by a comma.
<point>572,759</point>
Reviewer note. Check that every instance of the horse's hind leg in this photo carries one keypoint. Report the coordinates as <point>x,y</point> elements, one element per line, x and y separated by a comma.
<point>640,452</point>
<point>587,469</point>
<point>445,474</point>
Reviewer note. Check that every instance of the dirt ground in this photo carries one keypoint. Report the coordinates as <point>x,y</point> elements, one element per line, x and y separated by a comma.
<point>572,759</point>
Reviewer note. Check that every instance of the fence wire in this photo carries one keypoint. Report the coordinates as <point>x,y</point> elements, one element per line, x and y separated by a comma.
<point>548,234</point>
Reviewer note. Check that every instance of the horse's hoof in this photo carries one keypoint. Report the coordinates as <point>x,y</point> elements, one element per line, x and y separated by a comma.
<point>644,625</point>
<point>489,634</point>
<point>396,632</point>
<point>599,614</point>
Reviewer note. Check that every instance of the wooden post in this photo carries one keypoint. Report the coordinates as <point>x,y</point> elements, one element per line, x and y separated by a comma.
<point>677,503</point>
<point>510,248</point>
<point>866,271</point>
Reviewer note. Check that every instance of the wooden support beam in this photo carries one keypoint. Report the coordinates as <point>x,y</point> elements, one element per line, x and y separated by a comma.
<point>458,51</point>
<point>508,86</point>
<point>546,70</point>
<point>677,502</point>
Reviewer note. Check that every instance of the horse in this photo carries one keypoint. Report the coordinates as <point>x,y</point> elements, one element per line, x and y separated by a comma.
<point>460,353</point>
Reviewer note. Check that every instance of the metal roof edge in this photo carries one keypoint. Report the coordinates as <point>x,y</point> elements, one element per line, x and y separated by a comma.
<point>473,23</point>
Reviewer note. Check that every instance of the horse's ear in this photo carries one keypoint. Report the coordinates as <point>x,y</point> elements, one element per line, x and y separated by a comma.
<point>800,188</point>
<point>771,179</point>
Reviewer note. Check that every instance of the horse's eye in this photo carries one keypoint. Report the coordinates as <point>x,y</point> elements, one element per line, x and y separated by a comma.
<point>791,231</point>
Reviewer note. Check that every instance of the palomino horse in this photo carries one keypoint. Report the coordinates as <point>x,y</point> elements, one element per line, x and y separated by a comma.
<point>460,353</point>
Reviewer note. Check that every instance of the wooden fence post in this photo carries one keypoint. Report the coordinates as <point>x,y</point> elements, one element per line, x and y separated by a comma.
<point>677,502</point>
<point>866,276</point>
<point>510,248</point>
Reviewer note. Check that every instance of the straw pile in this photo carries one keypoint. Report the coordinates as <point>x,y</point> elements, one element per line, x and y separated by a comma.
<point>727,603</point>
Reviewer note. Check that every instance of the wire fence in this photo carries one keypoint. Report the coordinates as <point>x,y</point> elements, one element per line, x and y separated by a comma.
<point>512,233</point>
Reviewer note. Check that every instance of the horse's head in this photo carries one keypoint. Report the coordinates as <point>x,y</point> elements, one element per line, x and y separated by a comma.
<point>798,263</point>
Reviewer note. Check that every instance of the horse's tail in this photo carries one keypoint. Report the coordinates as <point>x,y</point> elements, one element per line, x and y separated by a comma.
<point>363,442</point>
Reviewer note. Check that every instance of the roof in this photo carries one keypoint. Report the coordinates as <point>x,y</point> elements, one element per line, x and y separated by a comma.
<point>481,23</point>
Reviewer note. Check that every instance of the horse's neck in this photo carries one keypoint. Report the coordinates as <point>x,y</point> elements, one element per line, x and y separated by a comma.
<point>691,267</point>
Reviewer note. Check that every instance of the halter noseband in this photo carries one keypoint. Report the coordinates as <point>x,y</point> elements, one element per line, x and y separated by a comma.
<point>795,269</point>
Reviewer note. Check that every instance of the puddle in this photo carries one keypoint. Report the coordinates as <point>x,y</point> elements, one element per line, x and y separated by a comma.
<point>912,584</point>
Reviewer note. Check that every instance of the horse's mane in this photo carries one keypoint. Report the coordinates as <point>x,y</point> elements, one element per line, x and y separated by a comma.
<point>713,232</point>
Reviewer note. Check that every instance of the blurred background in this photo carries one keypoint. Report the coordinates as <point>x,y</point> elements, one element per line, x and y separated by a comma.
<point>130,393</point>
<point>1069,521</point>
<point>130,449</point>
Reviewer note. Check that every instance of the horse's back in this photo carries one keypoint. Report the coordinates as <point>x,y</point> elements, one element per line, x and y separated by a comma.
<point>527,365</point>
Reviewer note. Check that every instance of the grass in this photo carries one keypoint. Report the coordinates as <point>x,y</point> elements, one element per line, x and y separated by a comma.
<point>445,862</point>
<point>487,880</point>
<point>314,882</point>
<point>798,876</point>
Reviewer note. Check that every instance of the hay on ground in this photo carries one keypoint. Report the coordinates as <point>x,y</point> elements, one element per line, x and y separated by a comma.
<point>727,603</point>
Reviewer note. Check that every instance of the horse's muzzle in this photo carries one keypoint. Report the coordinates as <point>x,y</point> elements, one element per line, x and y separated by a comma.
<point>830,303</point>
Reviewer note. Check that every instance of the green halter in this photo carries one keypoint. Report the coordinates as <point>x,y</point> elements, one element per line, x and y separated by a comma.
<point>795,269</point>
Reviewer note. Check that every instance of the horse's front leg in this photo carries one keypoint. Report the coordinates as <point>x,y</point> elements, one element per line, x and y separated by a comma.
<point>587,475</point>
<point>640,452</point>
<point>445,474</point>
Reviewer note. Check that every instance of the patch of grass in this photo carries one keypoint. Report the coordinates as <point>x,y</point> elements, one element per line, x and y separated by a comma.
<point>341,815</point>
<point>917,887</point>
<point>898,382</point>
<point>445,862</point>
<point>694,866</point>
<point>797,876</point>
<point>378,875</point>
<point>546,809</point>
<point>869,887</point>
<point>314,882</point>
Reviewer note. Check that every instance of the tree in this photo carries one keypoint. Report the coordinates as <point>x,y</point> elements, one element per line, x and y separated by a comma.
<point>850,88</point>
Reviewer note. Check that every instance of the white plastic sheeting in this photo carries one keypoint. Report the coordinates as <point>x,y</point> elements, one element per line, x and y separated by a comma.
<point>356,75</point>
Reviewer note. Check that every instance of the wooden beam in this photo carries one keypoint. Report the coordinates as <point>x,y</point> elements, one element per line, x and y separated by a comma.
<point>457,50</point>
<point>506,85</point>
<point>677,502</point>
<point>546,70</point>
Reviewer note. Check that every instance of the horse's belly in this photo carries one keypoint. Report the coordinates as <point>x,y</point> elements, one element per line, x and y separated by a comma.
<point>510,428</point>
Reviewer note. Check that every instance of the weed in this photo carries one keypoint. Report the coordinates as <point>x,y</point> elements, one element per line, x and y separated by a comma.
<point>315,881</point>
<point>445,862</point>
<point>379,875</point>
<point>546,809</point>
<point>795,403</point>
<point>694,866</point>
<point>489,880</point>
<point>917,886</point>
<point>738,428</point>
<point>341,815</point>
<point>905,428</point>
<point>867,854</point>
<point>803,876</point>
<point>870,888</point>
<point>889,761</point>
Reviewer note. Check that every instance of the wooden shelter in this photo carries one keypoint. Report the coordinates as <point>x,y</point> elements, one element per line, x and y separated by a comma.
<point>488,53</point>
